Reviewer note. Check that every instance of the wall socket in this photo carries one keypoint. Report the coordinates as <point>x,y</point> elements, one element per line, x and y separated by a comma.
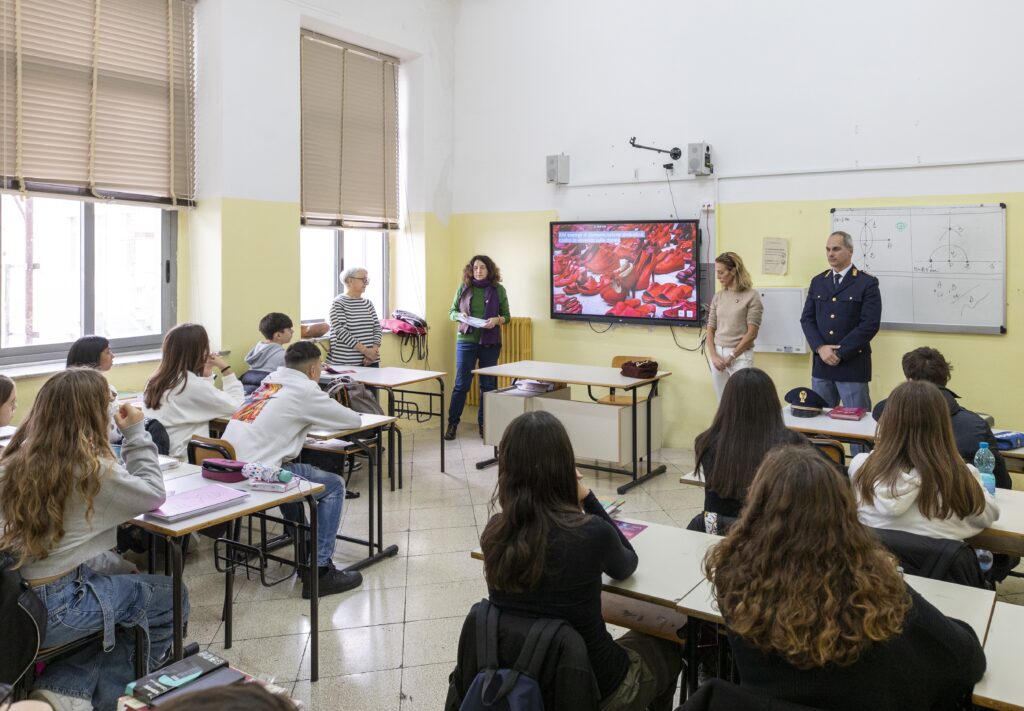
<point>707,207</point>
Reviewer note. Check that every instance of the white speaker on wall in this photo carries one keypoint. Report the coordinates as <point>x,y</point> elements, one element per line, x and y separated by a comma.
<point>558,169</point>
<point>698,159</point>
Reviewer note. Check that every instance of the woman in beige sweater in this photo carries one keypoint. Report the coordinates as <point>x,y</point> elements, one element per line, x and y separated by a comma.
<point>733,319</point>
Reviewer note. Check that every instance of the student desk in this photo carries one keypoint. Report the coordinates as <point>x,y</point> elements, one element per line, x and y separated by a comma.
<point>1001,687</point>
<point>1005,535</point>
<point>860,431</point>
<point>971,605</point>
<point>375,536</point>
<point>257,502</point>
<point>396,380</point>
<point>594,428</point>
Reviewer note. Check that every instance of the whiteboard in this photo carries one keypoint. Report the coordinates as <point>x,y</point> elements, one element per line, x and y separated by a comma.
<point>939,268</point>
<point>780,330</point>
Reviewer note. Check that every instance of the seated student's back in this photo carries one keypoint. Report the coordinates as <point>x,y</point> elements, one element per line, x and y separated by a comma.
<point>747,424</point>
<point>817,611</point>
<point>181,393</point>
<point>915,480</point>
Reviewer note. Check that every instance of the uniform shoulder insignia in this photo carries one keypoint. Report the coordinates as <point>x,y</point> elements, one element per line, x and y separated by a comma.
<point>855,271</point>
<point>826,272</point>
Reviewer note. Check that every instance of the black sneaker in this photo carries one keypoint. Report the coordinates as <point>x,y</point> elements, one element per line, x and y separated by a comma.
<point>333,581</point>
<point>481,431</point>
<point>449,434</point>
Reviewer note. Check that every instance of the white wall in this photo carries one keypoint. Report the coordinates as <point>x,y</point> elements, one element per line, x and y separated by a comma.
<point>800,86</point>
<point>248,91</point>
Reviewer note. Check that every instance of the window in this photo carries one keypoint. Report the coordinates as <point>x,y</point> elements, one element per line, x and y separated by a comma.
<point>349,107</point>
<point>326,253</point>
<point>97,98</point>
<point>73,268</point>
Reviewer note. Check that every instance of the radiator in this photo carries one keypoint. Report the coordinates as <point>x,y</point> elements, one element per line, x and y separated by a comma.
<point>516,344</point>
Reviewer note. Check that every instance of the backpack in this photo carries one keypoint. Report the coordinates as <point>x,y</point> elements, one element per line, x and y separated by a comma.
<point>23,619</point>
<point>354,395</point>
<point>413,332</point>
<point>515,689</point>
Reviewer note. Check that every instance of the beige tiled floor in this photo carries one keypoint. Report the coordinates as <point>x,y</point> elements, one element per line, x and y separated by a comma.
<point>392,643</point>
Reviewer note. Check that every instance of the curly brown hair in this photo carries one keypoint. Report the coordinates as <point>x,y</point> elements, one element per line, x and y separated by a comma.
<point>798,575</point>
<point>493,273</point>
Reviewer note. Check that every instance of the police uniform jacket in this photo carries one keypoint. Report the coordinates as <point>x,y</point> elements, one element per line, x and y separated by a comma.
<point>847,316</point>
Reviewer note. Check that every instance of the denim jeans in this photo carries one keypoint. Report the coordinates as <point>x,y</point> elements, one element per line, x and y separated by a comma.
<point>467,354</point>
<point>328,508</point>
<point>84,602</point>
<point>851,394</point>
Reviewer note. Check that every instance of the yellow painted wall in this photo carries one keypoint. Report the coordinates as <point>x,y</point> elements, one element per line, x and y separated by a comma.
<point>976,359</point>
<point>518,244</point>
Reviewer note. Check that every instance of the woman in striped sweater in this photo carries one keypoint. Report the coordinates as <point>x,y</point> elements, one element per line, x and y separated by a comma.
<point>355,326</point>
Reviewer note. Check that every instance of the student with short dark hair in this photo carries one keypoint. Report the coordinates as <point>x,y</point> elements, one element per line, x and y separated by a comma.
<point>546,550</point>
<point>91,352</point>
<point>816,610</point>
<point>268,354</point>
<point>271,426</point>
<point>747,424</point>
<point>915,480</point>
<point>969,428</point>
<point>181,393</point>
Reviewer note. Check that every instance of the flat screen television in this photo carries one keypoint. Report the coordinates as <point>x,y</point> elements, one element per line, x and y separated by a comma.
<point>626,272</point>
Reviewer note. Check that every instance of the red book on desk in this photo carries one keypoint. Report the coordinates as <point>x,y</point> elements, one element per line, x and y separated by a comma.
<point>847,413</point>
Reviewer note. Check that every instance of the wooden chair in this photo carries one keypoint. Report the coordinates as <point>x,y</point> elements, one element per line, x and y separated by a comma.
<point>611,398</point>
<point>203,448</point>
<point>831,448</point>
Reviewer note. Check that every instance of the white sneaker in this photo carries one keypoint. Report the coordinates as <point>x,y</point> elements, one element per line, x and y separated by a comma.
<point>60,702</point>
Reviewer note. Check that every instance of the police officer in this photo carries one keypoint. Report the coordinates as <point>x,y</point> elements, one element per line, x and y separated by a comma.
<point>841,316</point>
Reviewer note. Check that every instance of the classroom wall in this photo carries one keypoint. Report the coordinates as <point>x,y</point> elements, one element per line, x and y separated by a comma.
<point>808,105</point>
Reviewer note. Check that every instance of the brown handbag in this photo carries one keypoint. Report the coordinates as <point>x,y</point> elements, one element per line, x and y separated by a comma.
<point>640,369</point>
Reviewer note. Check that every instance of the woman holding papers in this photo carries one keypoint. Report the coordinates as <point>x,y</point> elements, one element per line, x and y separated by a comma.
<point>355,325</point>
<point>480,307</point>
<point>62,497</point>
<point>818,613</point>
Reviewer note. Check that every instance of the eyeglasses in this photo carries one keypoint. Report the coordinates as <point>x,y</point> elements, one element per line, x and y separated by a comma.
<point>365,280</point>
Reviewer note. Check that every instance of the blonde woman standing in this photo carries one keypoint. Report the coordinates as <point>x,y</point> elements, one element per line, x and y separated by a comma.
<point>734,317</point>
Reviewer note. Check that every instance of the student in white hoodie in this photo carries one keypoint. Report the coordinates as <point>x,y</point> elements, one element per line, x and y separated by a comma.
<point>181,393</point>
<point>915,479</point>
<point>271,427</point>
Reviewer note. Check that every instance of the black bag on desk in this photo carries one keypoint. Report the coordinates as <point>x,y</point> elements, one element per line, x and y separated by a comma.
<point>354,396</point>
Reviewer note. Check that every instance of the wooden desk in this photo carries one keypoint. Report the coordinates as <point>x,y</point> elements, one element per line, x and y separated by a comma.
<point>1006,534</point>
<point>860,431</point>
<point>397,380</point>
<point>1001,687</point>
<point>256,502</point>
<point>593,376</point>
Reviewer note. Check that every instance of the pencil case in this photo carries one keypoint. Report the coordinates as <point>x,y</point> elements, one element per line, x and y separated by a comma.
<point>227,471</point>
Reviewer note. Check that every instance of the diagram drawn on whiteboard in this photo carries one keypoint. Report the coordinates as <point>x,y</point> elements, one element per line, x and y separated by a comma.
<point>939,267</point>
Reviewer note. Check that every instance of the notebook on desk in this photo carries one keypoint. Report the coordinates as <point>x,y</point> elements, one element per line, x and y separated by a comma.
<point>197,501</point>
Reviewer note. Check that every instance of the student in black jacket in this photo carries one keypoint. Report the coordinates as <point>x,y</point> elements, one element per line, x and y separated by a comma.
<point>968,427</point>
<point>747,424</point>
<point>818,613</point>
<point>544,557</point>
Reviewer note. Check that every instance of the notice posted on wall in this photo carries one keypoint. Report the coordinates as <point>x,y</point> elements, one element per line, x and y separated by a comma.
<point>629,529</point>
<point>774,255</point>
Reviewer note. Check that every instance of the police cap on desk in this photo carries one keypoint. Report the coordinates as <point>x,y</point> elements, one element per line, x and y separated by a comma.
<point>804,402</point>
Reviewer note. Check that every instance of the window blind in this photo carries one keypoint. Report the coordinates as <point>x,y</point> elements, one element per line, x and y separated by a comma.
<point>349,134</point>
<point>98,97</point>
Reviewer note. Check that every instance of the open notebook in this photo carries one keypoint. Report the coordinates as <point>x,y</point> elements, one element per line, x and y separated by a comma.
<point>197,501</point>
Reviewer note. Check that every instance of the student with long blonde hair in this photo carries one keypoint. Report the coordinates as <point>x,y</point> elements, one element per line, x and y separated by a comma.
<point>62,497</point>
<point>818,613</point>
<point>181,393</point>
<point>915,479</point>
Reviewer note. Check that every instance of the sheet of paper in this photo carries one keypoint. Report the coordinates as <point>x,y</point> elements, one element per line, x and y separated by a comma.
<point>774,255</point>
<point>472,321</point>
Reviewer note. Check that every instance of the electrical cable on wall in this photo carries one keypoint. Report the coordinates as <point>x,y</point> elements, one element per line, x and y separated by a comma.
<point>591,324</point>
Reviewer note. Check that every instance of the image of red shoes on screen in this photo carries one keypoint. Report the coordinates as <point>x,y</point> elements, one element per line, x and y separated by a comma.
<point>625,270</point>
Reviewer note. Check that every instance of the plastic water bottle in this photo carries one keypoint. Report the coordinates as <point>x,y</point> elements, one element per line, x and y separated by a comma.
<point>984,559</point>
<point>985,463</point>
